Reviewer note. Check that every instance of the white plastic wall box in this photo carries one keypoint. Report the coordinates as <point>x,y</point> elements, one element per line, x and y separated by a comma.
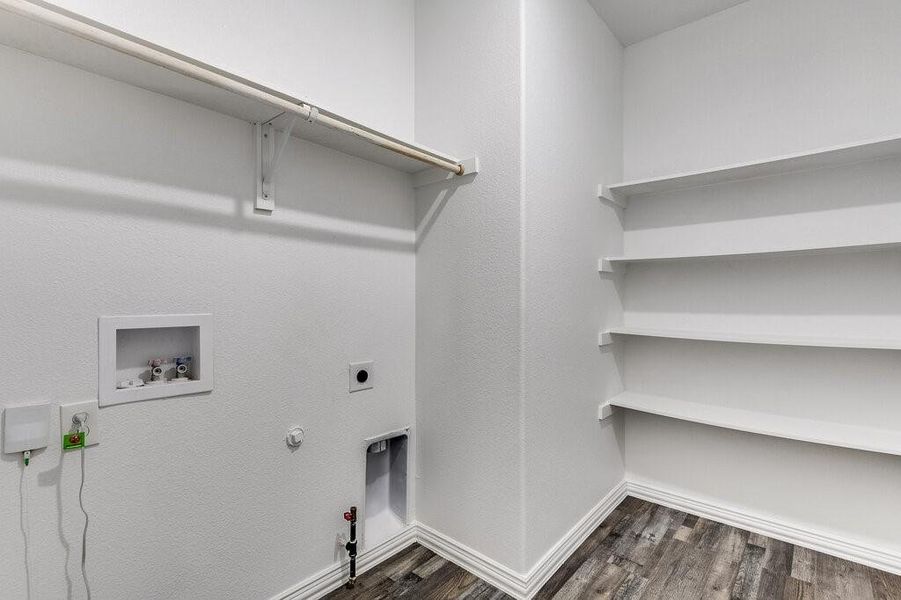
<point>26,428</point>
<point>201,364</point>
<point>386,487</point>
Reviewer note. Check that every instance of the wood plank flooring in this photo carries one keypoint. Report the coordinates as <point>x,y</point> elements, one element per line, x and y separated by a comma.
<point>649,552</point>
<point>418,574</point>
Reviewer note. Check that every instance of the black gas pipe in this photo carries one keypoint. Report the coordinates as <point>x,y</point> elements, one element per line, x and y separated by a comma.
<point>351,546</point>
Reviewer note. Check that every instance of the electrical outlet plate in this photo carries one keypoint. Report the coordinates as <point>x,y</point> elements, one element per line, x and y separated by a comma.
<point>362,375</point>
<point>67,411</point>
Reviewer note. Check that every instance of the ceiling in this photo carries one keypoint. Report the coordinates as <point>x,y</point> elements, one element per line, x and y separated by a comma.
<point>635,20</point>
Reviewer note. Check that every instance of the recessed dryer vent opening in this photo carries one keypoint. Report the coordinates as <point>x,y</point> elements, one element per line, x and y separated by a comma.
<point>386,488</point>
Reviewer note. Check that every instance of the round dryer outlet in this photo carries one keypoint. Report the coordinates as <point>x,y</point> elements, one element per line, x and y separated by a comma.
<point>362,376</point>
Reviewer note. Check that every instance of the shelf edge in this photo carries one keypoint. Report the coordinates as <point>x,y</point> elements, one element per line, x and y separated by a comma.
<point>623,401</point>
<point>827,157</point>
<point>819,250</point>
<point>766,340</point>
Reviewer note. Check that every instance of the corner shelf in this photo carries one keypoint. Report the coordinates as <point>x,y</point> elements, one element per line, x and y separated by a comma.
<point>829,433</point>
<point>52,36</point>
<point>747,338</point>
<point>609,262</point>
<point>833,156</point>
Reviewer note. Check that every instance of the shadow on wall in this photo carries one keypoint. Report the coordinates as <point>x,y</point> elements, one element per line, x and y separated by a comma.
<point>740,288</point>
<point>370,206</point>
<point>373,208</point>
<point>431,200</point>
<point>60,196</point>
<point>615,352</point>
<point>783,380</point>
<point>77,142</point>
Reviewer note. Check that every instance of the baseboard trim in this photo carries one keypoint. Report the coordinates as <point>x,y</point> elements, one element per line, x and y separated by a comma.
<point>503,578</point>
<point>331,578</point>
<point>518,585</point>
<point>779,529</point>
<point>523,586</point>
<point>563,549</point>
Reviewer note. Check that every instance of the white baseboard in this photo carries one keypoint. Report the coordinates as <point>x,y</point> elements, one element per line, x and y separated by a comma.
<point>792,533</point>
<point>331,578</point>
<point>503,578</point>
<point>518,585</point>
<point>525,585</point>
<point>522,585</point>
<point>563,549</point>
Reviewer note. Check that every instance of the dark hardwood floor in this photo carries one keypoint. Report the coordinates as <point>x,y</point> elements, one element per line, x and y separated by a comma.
<point>650,552</point>
<point>418,574</point>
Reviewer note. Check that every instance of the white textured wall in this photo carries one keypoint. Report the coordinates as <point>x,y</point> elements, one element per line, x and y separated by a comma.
<point>762,79</point>
<point>573,133</point>
<point>468,389</point>
<point>847,494</point>
<point>352,57</point>
<point>119,201</point>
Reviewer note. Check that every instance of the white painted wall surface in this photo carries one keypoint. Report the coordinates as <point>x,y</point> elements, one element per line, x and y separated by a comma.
<point>349,56</point>
<point>468,339</point>
<point>844,494</point>
<point>759,80</point>
<point>635,20</point>
<point>119,201</point>
<point>572,141</point>
<point>764,78</point>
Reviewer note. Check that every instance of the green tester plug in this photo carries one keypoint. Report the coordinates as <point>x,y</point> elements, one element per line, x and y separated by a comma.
<point>74,440</point>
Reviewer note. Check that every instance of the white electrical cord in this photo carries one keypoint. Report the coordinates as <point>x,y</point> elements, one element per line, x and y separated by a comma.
<point>26,530</point>
<point>84,533</point>
<point>80,420</point>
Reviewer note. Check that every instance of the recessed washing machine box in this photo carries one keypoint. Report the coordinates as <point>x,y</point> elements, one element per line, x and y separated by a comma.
<point>144,357</point>
<point>386,505</point>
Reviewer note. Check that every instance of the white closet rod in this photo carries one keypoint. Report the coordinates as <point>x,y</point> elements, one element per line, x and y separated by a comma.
<point>161,57</point>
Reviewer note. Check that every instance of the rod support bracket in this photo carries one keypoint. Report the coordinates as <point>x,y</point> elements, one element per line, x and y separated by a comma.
<point>269,156</point>
<point>265,143</point>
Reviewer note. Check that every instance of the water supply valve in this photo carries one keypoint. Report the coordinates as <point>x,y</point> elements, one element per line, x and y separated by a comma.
<point>181,368</point>
<point>351,546</point>
<point>156,370</point>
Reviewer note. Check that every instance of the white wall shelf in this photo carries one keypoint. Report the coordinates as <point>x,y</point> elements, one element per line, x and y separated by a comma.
<point>829,433</point>
<point>834,156</point>
<point>608,263</point>
<point>61,36</point>
<point>766,339</point>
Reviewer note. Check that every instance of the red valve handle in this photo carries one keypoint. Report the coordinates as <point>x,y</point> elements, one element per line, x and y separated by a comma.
<point>348,516</point>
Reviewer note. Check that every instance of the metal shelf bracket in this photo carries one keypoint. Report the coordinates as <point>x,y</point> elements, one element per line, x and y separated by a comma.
<point>268,159</point>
